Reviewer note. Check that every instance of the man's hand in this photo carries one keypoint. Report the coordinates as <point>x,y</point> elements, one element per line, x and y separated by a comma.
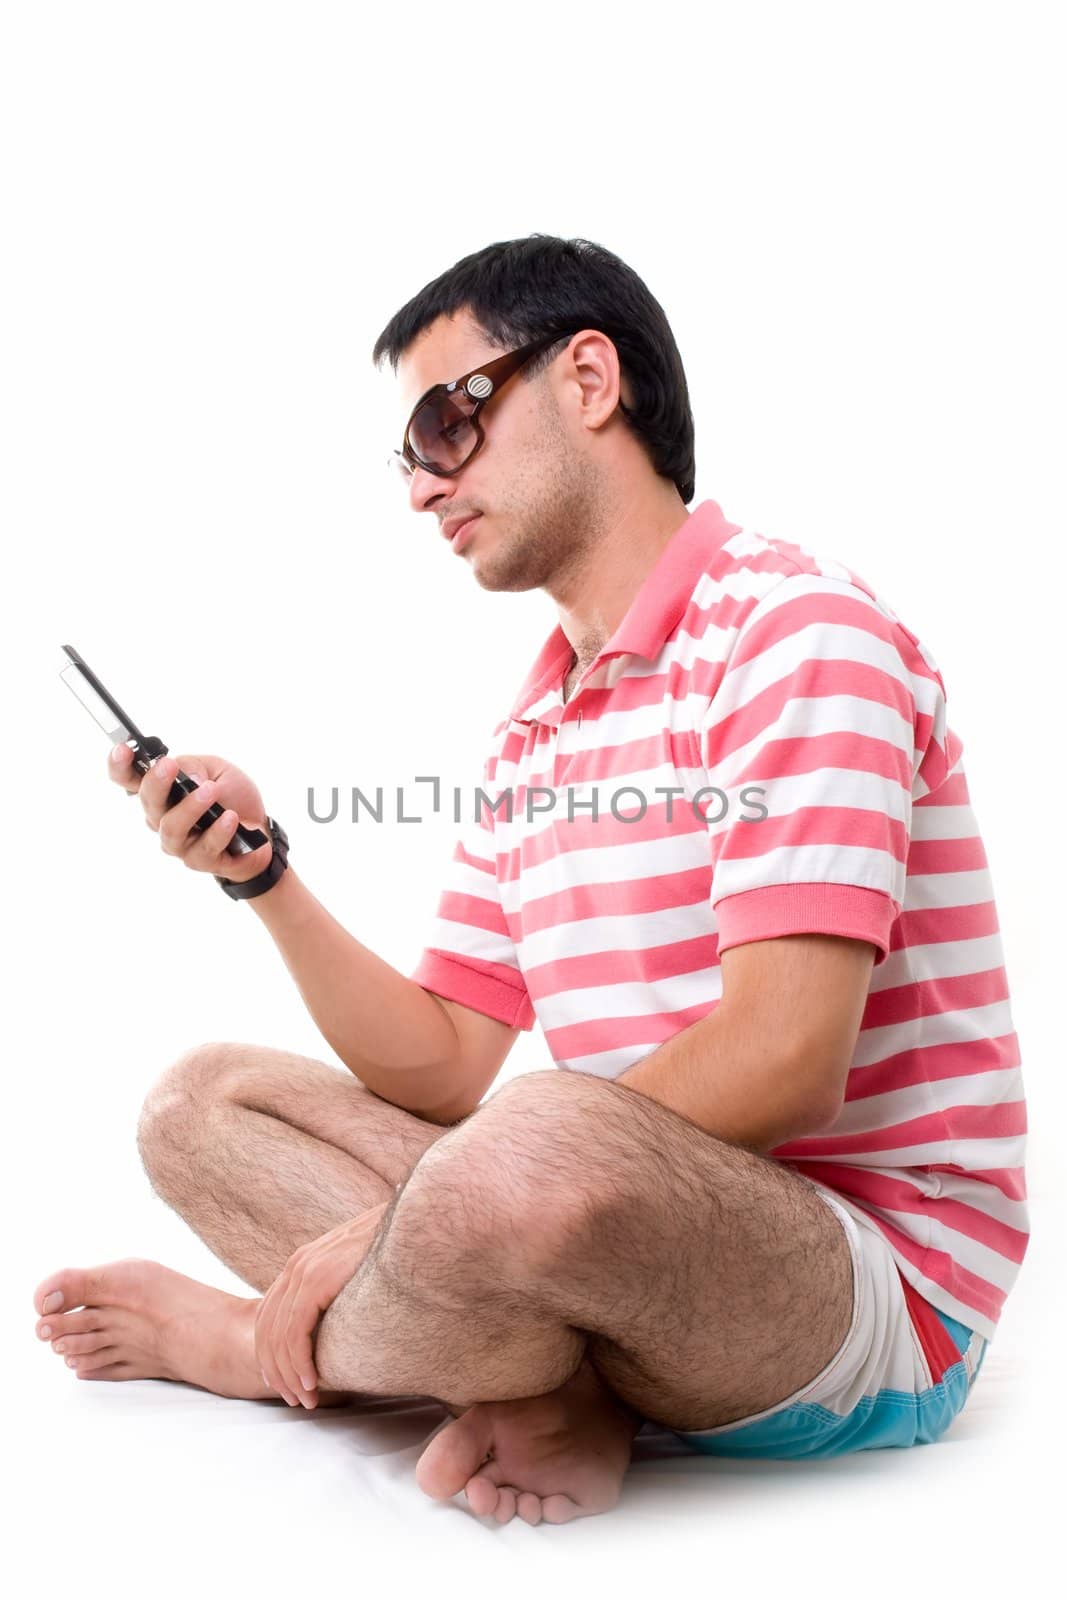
<point>289,1312</point>
<point>218,780</point>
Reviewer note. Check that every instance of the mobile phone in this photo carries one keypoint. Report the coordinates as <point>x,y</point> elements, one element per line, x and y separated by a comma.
<point>147,749</point>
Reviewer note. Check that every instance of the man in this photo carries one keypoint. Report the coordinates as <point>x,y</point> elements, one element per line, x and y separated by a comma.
<point>727,859</point>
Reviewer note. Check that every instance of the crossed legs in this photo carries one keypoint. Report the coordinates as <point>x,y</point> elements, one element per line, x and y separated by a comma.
<point>567,1214</point>
<point>568,1260</point>
<point>569,1227</point>
<point>571,1217</point>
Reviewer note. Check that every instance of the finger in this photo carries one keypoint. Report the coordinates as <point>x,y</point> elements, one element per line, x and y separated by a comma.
<point>261,1329</point>
<point>204,851</point>
<point>121,770</point>
<point>264,1341</point>
<point>155,787</point>
<point>303,1318</point>
<point>201,766</point>
<point>291,1335</point>
<point>207,852</point>
<point>176,824</point>
<point>157,782</point>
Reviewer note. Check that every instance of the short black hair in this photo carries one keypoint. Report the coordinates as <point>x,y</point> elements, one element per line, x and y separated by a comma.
<point>521,289</point>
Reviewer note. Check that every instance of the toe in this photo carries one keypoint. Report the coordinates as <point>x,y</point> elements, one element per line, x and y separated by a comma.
<point>115,1283</point>
<point>559,1508</point>
<point>104,1357</point>
<point>505,1506</point>
<point>57,1324</point>
<point>61,1291</point>
<point>483,1495</point>
<point>529,1508</point>
<point>82,1344</point>
<point>454,1455</point>
<point>110,1373</point>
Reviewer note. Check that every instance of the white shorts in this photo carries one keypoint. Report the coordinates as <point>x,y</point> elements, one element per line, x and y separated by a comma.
<point>901,1376</point>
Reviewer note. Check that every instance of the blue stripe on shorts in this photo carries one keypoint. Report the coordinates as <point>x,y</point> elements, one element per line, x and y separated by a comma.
<point>889,1418</point>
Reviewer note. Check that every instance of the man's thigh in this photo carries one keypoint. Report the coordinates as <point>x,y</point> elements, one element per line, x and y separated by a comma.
<point>711,1282</point>
<point>328,1103</point>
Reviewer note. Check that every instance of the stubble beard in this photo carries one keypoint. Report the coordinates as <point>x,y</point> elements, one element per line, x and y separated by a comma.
<point>549,540</point>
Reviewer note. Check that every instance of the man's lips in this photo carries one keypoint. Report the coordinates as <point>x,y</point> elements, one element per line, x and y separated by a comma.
<point>457,532</point>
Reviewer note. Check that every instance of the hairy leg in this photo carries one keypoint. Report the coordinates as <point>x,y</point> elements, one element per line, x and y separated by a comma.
<point>261,1150</point>
<point>572,1217</point>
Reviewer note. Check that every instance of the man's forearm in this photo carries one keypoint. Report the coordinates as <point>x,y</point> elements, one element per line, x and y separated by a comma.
<point>719,1076</point>
<point>385,1028</point>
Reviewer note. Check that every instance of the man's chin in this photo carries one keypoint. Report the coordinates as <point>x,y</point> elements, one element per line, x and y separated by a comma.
<point>493,570</point>
<point>501,579</point>
<point>486,578</point>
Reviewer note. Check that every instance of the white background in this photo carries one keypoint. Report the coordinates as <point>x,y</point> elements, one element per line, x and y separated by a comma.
<point>851,214</point>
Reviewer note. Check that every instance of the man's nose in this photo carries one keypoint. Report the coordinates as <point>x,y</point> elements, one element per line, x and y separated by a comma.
<point>425,489</point>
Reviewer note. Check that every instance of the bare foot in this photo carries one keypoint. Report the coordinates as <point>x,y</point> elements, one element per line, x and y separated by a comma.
<point>553,1457</point>
<point>138,1319</point>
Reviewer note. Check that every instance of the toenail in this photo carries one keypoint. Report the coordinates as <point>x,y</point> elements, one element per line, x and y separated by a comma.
<point>71,1361</point>
<point>60,1346</point>
<point>46,1332</point>
<point>53,1302</point>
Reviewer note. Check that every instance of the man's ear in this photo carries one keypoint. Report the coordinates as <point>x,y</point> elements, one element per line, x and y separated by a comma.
<point>593,367</point>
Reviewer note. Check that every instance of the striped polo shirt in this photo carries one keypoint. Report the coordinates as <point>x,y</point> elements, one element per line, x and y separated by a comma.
<point>760,749</point>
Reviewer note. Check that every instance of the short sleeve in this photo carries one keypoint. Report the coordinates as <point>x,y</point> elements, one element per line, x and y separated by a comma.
<point>811,738</point>
<point>470,956</point>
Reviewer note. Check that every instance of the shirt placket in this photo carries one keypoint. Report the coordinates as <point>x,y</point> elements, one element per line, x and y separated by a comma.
<point>563,721</point>
<point>568,742</point>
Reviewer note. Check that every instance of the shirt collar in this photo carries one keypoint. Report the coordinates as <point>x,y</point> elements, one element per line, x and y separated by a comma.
<point>654,612</point>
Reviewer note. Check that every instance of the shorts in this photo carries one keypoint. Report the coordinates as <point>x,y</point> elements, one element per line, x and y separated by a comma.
<point>901,1376</point>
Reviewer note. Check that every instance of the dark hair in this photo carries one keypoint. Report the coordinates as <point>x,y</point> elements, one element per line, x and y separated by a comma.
<point>519,289</point>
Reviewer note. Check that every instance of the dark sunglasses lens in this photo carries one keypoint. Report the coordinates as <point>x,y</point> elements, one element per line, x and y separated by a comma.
<point>441,432</point>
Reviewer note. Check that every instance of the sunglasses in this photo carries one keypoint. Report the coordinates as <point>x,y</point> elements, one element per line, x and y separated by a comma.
<point>444,431</point>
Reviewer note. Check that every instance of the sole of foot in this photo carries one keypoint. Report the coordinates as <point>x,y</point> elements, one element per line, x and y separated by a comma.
<point>550,1458</point>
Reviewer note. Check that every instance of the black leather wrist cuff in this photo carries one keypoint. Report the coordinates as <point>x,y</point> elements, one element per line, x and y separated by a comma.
<point>271,873</point>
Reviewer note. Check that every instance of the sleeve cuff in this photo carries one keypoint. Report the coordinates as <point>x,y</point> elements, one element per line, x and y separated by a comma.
<point>477,985</point>
<point>777,909</point>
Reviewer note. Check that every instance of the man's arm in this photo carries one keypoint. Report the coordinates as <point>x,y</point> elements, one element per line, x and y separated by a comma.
<point>769,1063</point>
<point>431,1056</point>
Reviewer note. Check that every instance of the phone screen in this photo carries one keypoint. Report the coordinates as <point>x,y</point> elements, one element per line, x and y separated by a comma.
<point>104,710</point>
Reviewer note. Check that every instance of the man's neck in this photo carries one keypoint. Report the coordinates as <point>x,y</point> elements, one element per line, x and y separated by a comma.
<point>593,601</point>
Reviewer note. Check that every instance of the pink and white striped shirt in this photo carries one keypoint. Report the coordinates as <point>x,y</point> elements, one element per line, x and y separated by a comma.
<point>766,748</point>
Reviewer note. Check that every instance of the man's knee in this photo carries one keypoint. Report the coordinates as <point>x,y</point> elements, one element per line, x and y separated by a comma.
<point>177,1100</point>
<point>506,1193</point>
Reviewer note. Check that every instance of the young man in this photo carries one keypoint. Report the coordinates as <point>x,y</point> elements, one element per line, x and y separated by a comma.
<point>727,859</point>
